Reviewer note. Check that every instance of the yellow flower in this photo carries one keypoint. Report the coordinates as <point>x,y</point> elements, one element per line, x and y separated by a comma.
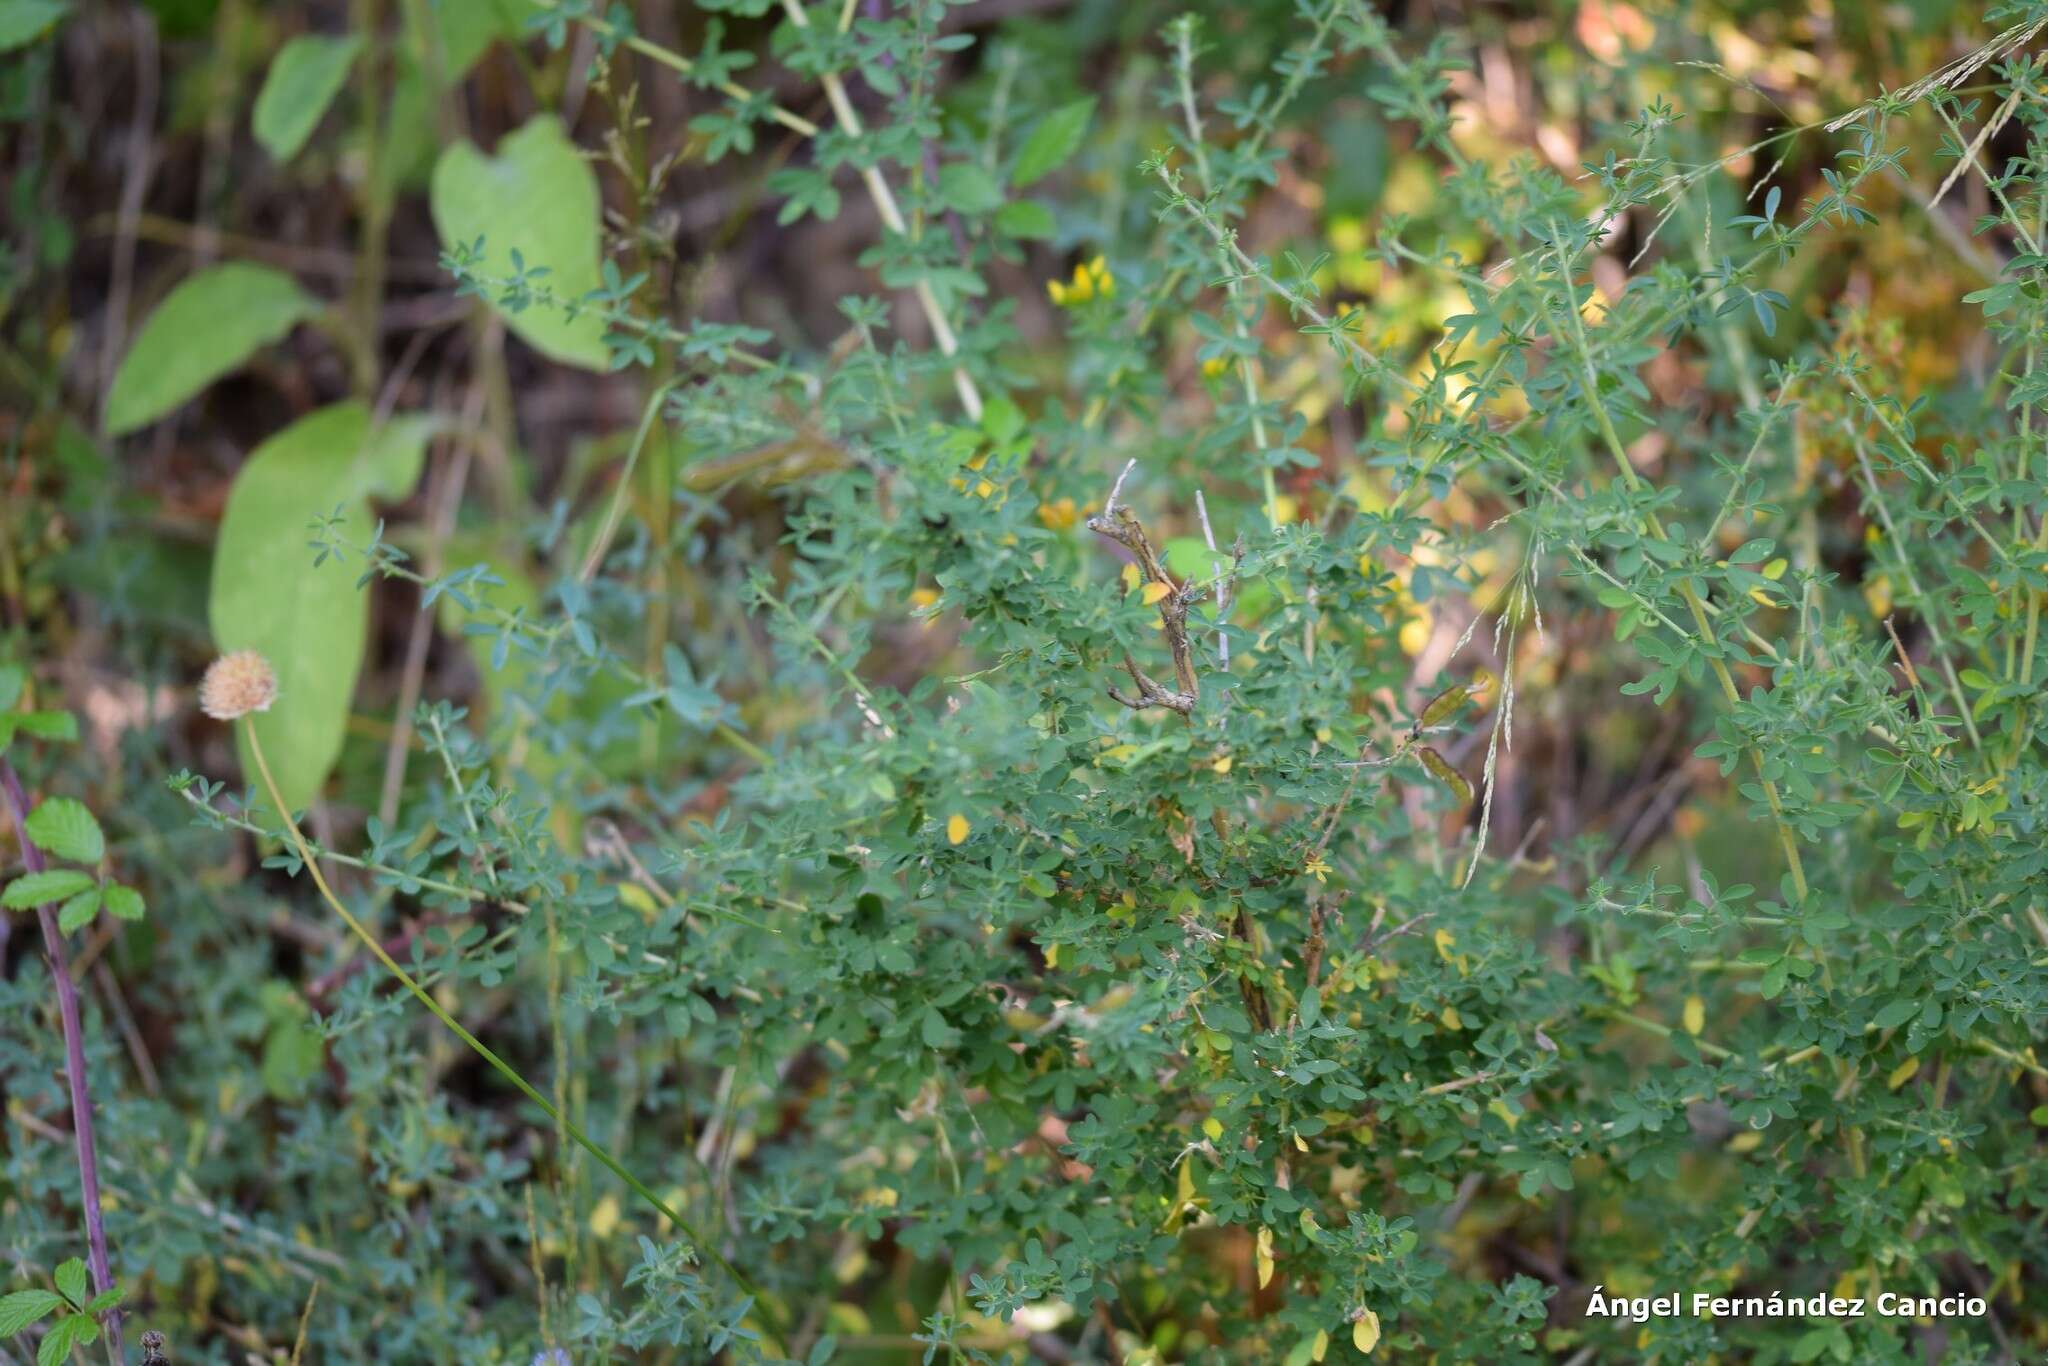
<point>1059,515</point>
<point>922,599</point>
<point>957,828</point>
<point>1365,1331</point>
<point>1214,366</point>
<point>1091,278</point>
<point>1316,868</point>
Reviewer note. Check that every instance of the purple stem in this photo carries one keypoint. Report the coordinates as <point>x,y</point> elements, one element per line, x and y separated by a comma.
<point>74,1062</point>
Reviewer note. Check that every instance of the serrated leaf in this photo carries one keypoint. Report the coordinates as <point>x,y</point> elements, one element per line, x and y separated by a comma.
<point>23,1307</point>
<point>70,1278</point>
<point>1440,769</point>
<point>267,595</point>
<point>44,725</point>
<point>304,77</point>
<point>75,1331</point>
<point>207,327</point>
<point>538,196</point>
<point>45,888</point>
<point>1057,136</point>
<point>75,914</point>
<point>65,828</point>
<point>123,903</point>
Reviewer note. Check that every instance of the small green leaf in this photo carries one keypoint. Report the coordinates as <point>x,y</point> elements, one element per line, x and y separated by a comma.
<point>70,1278</point>
<point>23,1307</point>
<point>208,326</point>
<point>44,725</point>
<point>64,827</point>
<point>537,196</point>
<point>1896,1014</point>
<point>12,681</point>
<point>1025,218</point>
<point>937,1033</point>
<point>75,914</point>
<point>24,21</point>
<point>44,888</point>
<point>123,903</point>
<point>1057,137</point>
<point>969,188</point>
<point>304,77</point>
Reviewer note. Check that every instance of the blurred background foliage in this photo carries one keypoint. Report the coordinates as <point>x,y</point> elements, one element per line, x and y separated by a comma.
<point>272,1121</point>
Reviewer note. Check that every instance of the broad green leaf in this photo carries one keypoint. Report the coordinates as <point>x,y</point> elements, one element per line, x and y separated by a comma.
<point>65,828</point>
<point>208,326</point>
<point>304,77</point>
<point>268,595</point>
<point>23,1307</point>
<point>70,1277</point>
<point>40,889</point>
<point>24,21</point>
<point>1057,137</point>
<point>537,196</point>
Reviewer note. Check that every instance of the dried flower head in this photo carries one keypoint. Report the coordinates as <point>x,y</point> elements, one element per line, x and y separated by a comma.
<point>236,684</point>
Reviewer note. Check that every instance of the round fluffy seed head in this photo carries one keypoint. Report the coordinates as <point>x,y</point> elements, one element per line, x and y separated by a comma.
<point>237,684</point>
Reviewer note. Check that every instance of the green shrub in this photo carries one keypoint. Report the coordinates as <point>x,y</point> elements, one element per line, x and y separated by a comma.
<point>1294,733</point>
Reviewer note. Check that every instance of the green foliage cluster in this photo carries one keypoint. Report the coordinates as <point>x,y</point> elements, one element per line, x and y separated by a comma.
<point>954,819</point>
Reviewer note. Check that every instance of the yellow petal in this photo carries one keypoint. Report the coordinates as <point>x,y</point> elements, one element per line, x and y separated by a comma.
<point>1213,1127</point>
<point>956,828</point>
<point>604,1220</point>
<point>1265,1270</point>
<point>1320,1346</point>
<point>1222,765</point>
<point>1902,1074</point>
<point>1155,592</point>
<point>1695,1015</point>
<point>1365,1332</point>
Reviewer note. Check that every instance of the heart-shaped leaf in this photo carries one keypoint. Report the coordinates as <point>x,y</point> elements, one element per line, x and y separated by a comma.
<point>538,197</point>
